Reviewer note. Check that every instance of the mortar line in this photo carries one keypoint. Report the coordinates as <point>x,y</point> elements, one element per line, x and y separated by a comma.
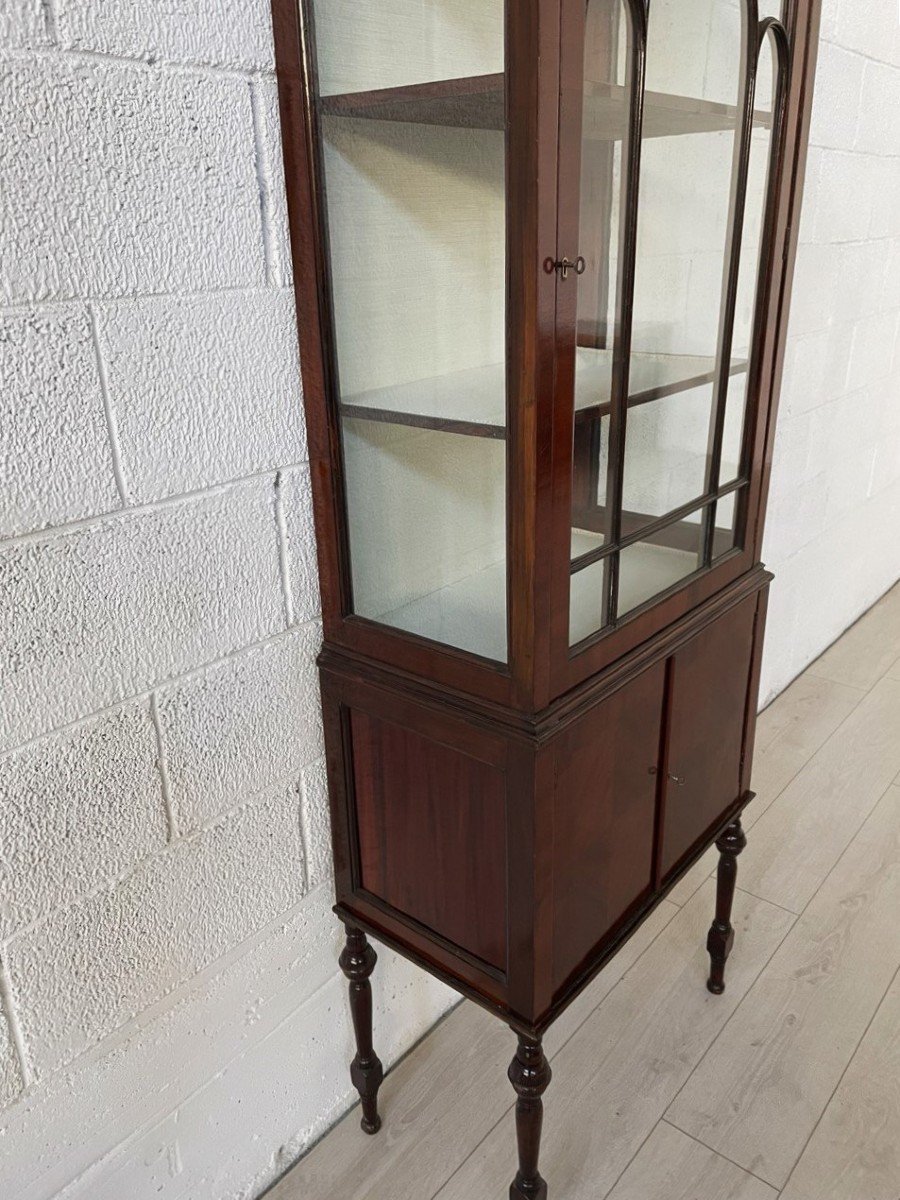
<point>8,1007</point>
<point>194,673</point>
<point>137,510</point>
<point>263,181</point>
<point>112,428</point>
<point>17,308</point>
<point>162,762</point>
<point>51,22</point>
<point>168,66</point>
<point>284,561</point>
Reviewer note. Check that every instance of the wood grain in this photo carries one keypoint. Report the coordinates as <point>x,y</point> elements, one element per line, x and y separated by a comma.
<point>672,1166</point>
<point>855,1150</point>
<point>783,1052</point>
<point>432,834</point>
<point>796,843</point>
<point>613,1083</point>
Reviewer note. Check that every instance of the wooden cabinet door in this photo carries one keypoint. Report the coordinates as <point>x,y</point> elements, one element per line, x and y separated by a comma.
<point>710,703</point>
<point>604,808</point>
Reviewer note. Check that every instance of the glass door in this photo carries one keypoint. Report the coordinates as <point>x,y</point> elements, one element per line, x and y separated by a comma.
<point>410,103</point>
<point>679,112</point>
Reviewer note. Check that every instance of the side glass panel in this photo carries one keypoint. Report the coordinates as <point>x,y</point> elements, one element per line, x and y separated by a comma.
<point>659,462</point>
<point>411,111</point>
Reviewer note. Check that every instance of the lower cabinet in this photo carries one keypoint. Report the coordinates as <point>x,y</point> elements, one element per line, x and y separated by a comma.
<point>642,778</point>
<point>513,856</point>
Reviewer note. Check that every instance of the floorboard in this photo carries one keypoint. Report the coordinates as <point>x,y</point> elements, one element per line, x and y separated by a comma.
<point>789,1080</point>
<point>758,1096</point>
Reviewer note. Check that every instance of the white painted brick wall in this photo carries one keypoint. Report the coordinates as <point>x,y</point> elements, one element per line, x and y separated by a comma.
<point>169,360</point>
<point>77,809</point>
<point>125,946</point>
<point>239,728</point>
<point>54,445</point>
<point>167,952</point>
<point>835,508</point>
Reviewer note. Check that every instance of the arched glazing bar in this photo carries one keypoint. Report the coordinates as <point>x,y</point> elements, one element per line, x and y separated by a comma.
<point>756,32</point>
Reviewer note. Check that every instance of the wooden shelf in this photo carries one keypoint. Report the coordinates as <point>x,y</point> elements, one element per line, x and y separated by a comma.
<point>473,402</point>
<point>477,102</point>
<point>471,613</point>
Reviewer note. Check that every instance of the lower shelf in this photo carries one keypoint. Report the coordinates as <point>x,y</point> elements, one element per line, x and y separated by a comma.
<point>470,614</point>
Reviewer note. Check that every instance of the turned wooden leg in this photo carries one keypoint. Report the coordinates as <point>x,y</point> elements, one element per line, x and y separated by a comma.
<point>357,962</point>
<point>721,932</point>
<point>529,1073</point>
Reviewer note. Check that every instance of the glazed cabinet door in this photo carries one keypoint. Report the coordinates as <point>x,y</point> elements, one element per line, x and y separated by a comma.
<point>427,323</point>
<point>670,114</point>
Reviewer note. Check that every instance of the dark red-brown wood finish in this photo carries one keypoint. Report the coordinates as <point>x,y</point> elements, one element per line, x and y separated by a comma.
<point>509,827</point>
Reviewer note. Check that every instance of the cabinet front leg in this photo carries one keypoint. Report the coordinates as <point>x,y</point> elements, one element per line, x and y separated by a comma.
<point>529,1073</point>
<point>721,933</point>
<point>357,962</point>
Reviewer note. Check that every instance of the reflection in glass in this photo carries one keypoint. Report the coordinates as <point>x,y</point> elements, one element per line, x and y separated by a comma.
<point>665,454</point>
<point>751,247</point>
<point>605,107</point>
<point>586,601</point>
<point>648,568</point>
<point>417,233</point>
<point>728,513</point>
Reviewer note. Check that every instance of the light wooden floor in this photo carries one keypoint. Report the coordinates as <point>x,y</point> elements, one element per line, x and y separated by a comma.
<point>788,1085</point>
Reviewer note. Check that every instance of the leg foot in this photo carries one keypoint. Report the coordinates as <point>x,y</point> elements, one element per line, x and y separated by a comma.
<point>529,1073</point>
<point>357,962</point>
<point>721,932</point>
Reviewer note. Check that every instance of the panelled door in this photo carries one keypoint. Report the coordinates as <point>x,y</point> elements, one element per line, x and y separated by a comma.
<point>670,118</point>
<point>709,687</point>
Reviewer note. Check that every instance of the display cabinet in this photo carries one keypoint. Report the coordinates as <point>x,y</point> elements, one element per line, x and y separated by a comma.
<point>542,255</point>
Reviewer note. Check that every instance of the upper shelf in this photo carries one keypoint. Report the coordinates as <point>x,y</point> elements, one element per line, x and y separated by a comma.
<point>477,102</point>
<point>473,402</point>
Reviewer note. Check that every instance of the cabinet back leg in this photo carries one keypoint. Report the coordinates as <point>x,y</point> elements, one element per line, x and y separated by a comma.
<point>721,933</point>
<point>529,1073</point>
<point>357,962</point>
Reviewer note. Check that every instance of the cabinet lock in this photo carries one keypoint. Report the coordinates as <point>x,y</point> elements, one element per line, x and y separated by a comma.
<point>678,780</point>
<point>565,265</point>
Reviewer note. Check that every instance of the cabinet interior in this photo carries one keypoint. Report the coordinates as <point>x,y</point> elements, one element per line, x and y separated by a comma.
<point>414,165</point>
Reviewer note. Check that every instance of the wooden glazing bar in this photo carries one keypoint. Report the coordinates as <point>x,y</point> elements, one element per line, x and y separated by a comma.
<point>737,208</point>
<point>631,162</point>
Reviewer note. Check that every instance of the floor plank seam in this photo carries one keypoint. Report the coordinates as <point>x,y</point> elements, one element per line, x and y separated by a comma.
<point>827,1105</point>
<point>744,999</point>
<point>624,1170</point>
<point>792,912</point>
<point>578,1028</point>
<point>718,1153</point>
<point>737,1007</point>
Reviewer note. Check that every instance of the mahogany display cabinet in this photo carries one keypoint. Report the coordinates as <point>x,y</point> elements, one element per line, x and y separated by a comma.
<point>542,254</point>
